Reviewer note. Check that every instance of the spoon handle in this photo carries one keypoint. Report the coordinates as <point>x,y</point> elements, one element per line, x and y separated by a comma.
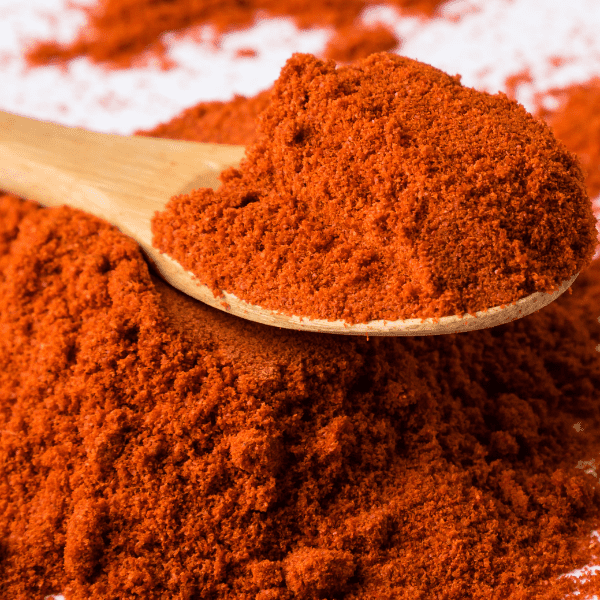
<point>121,179</point>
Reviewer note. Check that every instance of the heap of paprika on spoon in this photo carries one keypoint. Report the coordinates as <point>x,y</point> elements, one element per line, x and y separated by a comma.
<point>380,198</point>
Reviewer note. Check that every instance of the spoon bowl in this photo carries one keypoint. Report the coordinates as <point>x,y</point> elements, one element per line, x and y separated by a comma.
<point>126,179</point>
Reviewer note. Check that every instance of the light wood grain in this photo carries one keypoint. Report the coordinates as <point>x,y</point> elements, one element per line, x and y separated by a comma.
<point>125,180</point>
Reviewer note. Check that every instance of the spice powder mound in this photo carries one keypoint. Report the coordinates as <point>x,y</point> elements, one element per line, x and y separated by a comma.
<point>386,190</point>
<point>153,447</point>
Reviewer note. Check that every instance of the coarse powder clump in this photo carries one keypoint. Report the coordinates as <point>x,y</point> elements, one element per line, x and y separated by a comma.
<point>386,190</point>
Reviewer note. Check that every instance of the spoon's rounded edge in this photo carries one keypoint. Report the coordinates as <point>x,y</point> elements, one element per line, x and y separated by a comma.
<point>175,274</point>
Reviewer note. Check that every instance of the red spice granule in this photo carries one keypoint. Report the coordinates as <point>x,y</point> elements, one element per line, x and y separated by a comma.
<point>558,61</point>
<point>246,53</point>
<point>386,190</point>
<point>576,122</point>
<point>354,42</point>
<point>118,32</point>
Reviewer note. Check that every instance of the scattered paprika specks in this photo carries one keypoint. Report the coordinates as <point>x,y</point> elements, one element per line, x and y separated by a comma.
<point>120,32</point>
<point>246,53</point>
<point>386,190</point>
<point>558,61</point>
<point>152,447</point>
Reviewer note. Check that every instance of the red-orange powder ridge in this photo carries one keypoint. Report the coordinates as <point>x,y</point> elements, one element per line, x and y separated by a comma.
<point>386,190</point>
<point>217,122</point>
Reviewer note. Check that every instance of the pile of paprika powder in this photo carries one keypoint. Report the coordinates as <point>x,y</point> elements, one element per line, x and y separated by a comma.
<point>386,190</point>
<point>153,447</point>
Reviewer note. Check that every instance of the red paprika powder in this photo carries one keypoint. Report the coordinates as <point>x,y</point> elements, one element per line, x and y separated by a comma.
<point>120,32</point>
<point>153,447</point>
<point>359,41</point>
<point>232,122</point>
<point>386,190</point>
<point>576,122</point>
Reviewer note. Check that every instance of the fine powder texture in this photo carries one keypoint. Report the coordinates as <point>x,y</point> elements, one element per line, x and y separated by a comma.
<point>123,32</point>
<point>152,447</point>
<point>576,122</point>
<point>386,190</point>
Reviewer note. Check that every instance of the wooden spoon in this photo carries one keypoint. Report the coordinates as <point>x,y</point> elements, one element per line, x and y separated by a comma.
<point>125,180</point>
